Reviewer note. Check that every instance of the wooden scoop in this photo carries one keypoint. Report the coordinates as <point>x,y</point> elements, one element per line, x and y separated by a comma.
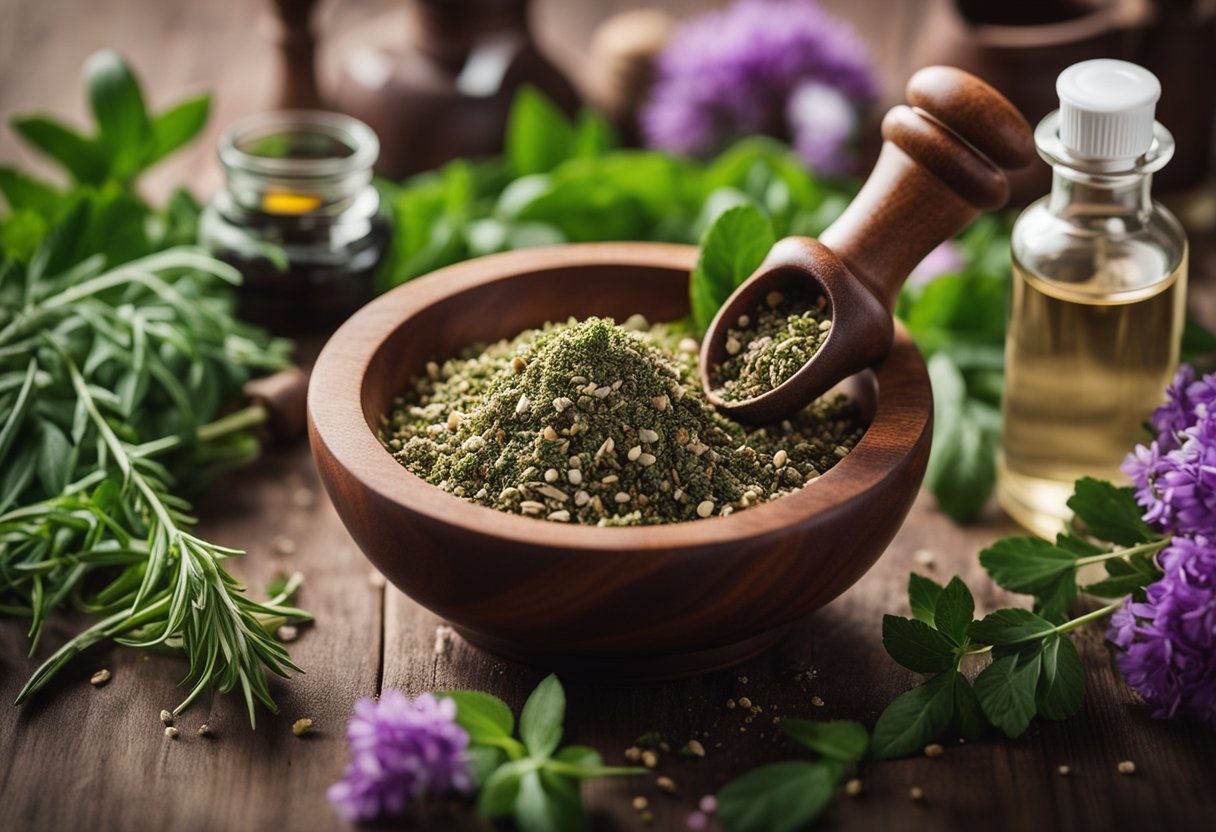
<point>940,167</point>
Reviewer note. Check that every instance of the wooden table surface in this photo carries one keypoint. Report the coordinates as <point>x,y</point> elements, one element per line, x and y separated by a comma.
<point>84,757</point>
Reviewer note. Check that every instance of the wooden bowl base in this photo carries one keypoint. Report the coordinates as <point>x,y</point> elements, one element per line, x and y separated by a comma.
<point>633,668</point>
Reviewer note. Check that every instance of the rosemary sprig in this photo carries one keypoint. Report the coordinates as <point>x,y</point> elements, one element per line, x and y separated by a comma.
<point>111,387</point>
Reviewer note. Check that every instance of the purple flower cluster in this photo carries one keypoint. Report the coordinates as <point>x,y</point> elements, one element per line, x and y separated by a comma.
<point>782,67</point>
<point>400,750</point>
<point>1175,475</point>
<point>1168,641</point>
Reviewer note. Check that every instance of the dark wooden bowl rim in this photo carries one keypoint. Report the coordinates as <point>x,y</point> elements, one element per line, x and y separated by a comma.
<point>902,417</point>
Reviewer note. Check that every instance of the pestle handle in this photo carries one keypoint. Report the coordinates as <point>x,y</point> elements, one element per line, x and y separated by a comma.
<point>940,166</point>
<point>295,43</point>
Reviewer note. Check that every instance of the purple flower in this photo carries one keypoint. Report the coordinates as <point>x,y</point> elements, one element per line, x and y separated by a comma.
<point>782,67</point>
<point>400,750</point>
<point>1168,642</point>
<point>1187,401</point>
<point>947,258</point>
<point>1177,487</point>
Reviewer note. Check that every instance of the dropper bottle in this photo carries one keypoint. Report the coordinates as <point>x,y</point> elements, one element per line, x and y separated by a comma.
<point>1098,296</point>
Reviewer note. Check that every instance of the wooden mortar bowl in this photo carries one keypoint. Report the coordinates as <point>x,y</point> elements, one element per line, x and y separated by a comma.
<point>619,603</point>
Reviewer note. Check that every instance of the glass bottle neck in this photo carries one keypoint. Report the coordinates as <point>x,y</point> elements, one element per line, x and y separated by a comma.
<point>1078,193</point>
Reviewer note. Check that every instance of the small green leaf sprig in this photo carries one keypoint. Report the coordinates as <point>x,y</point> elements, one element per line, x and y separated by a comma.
<point>786,796</point>
<point>1035,669</point>
<point>528,778</point>
<point>102,166</point>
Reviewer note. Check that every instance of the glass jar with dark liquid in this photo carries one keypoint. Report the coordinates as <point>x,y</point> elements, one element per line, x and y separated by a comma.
<point>299,218</point>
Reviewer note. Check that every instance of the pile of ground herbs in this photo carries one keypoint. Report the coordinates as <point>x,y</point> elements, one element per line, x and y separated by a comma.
<point>767,347</point>
<point>600,424</point>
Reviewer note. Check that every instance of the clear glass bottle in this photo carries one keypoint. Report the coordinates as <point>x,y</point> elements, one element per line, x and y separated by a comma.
<point>1098,295</point>
<point>299,217</point>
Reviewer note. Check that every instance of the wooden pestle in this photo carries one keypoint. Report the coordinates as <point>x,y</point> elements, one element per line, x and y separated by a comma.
<point>940,167</point>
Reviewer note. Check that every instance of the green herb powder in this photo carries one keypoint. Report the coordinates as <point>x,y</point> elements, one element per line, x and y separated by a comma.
<point>767,347</point>
<point>601,424</point>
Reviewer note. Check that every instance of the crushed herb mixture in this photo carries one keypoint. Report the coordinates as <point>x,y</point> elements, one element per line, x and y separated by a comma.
<point>768,346</point>
<point>601,424</point>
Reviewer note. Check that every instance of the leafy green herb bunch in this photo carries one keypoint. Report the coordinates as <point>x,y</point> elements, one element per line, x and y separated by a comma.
<point>120,363</point>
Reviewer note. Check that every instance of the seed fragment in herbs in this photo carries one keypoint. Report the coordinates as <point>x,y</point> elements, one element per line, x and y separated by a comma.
<point>99,678</point>
<point>766,348</point>
<point>615,432</point>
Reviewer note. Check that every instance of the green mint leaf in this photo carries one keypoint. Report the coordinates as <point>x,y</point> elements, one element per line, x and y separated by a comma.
<point>779,797</point>
<point>968,721</point>
<point>1125,577</point>
<point>733,247</point>
<point>539,136</point>
<point>922,597</point>
<point>1109,512</point>
<point>1006,691</point>
<point>954,610</point>
<point>916,645</point>
<point>1055,602</point>
<point>1198,342</point>
<point>501,788</point>
<point>540,723</point>
<point>118,107</point>
<point>1029,565</point>
<point>25,193</point>
<point>917,717</point>
<point>1010,626</point>
<point>79,155</point>
<point>1061,685</point>
<point>579,755</point>
<point>962,466</point>
<point>841,740</point>
<point>482,761</point>
<point>593,135</point>
<point>1078,546</point>
<point>546,803</point>
<point>486,718</point>
<point>177,126</point>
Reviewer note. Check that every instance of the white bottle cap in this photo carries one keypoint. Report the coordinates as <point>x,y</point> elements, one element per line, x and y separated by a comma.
<point>1106,109</point>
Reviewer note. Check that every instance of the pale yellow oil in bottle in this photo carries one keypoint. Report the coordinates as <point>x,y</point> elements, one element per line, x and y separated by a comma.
<point>1089,352</point>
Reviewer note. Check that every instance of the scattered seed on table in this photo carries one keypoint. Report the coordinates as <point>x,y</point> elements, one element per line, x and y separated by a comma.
<point>916,794</point>
<point>284,545</point>
<point>1063,771</point>
<point>650,759</point>
<point>301,726</point>
<point>633,754</point>
<point>171,732</point>
<point>166,717</point>
<point>204,730</point>
<point>924,557</point>
<point>1127,767</point>
<point>730,703</point>
<point>817,702</point>
<point>647,817</point>
<point>933,750</point>
<point>287,633</point>
<point>99,678</point>
<point>666,784</point>
<point>640,803</point>
<point>443,639</point>
<point>303,498</point>
<point>744,702</point>
<point>695,748</point>
<point>376,580</point>
<point>853,788</point>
